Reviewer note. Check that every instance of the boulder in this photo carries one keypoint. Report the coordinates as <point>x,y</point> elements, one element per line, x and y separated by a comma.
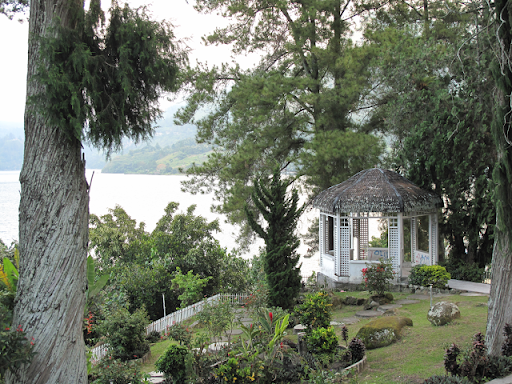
<point>443,313</point>
<point>383,331</point>
<point>371,305</point>
<point>361,301</point>
<point>337,302</point>
<point>386,298</point>
<point>350,300</point>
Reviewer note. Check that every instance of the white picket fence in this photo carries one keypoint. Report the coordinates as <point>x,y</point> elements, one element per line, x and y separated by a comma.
<point>177,317</point>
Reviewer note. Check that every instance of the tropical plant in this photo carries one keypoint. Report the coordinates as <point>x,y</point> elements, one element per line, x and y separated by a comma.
<point>9,275</point>
<point>95,283</point>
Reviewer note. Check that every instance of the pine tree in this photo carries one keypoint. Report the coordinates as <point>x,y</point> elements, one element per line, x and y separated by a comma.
<point>281,214</point>
<point>295,107</point>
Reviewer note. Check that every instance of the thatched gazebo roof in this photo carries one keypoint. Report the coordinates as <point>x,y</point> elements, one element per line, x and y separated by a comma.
<point>376,190</point>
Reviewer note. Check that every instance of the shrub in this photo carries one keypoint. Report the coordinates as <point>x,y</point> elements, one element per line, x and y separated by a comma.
<point>357,349</point>
<point>173,363</point>
<point>112,371</point>
<point>506,348</point>
<point>315,311</point>
<point>322,340</point>
<point>476,365</point>
<point>377,277</point>
<point>15,350</point>
<point>465,271</point>
<point>344,334</point>
<point>180,333</point>
<point>125,333</point>
<point>450,360</point>
<point>426,275</point>
<point>446,380</point>
<point>217,317</point>
<point>153,337</point>
<point>231,371</point>
<point>498,366</point>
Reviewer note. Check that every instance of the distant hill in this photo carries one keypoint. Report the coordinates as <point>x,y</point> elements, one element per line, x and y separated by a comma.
<point>11,146</point>
<point>167,134</point>
<point>159,161</point>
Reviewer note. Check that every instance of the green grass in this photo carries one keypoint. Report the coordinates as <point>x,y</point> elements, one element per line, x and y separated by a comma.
<point>157,350</point>
<point>417,355</point>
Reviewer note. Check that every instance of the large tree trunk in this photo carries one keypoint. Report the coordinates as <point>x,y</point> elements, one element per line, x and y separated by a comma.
<point>53,232</point>
<point>500,300</point>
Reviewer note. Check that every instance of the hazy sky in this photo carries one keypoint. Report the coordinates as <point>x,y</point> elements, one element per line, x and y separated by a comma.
<point>13,45</point>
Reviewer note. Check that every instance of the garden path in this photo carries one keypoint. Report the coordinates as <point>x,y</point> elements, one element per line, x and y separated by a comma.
<point>469,286</point>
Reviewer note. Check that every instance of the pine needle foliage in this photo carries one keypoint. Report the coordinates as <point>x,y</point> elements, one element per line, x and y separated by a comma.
<point>281,214</point>
<point>103,80</point>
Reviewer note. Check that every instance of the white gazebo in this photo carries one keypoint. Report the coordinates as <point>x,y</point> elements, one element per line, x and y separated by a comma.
<point>373,198</point>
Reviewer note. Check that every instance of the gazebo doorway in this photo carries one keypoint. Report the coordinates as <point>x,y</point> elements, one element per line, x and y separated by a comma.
<point>378,203</point>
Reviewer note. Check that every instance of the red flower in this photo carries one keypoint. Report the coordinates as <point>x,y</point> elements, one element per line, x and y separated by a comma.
<point>19,329</point>
<point>270,315</point>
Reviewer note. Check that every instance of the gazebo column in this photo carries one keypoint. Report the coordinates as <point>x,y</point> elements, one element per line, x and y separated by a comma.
<point>321,230</point>
<point>414,239</point>
<point>342,245</point>
<point>433,230</point>
<point>394,241</point>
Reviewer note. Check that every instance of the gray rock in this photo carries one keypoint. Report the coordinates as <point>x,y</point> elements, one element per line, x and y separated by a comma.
<point>371,305</point>
<point>443,313</point>
<point>218,346</point>
<point>349,300</point>
<point>368,313</point>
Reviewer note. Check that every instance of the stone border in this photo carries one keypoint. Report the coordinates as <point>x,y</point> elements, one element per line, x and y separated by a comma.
<point>357,367</point>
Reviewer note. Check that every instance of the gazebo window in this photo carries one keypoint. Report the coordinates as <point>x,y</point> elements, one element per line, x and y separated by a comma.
<point>330,234</point>
<point>407,239</point>
<point>422,234</point>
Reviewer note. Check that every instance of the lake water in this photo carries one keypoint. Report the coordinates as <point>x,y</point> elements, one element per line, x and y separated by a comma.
<point>144,198</point>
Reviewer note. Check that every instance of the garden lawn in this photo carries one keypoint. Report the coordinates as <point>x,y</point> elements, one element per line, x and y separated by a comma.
<point>157,350</point>
<point>419,354</point>
<point>416,356</point>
